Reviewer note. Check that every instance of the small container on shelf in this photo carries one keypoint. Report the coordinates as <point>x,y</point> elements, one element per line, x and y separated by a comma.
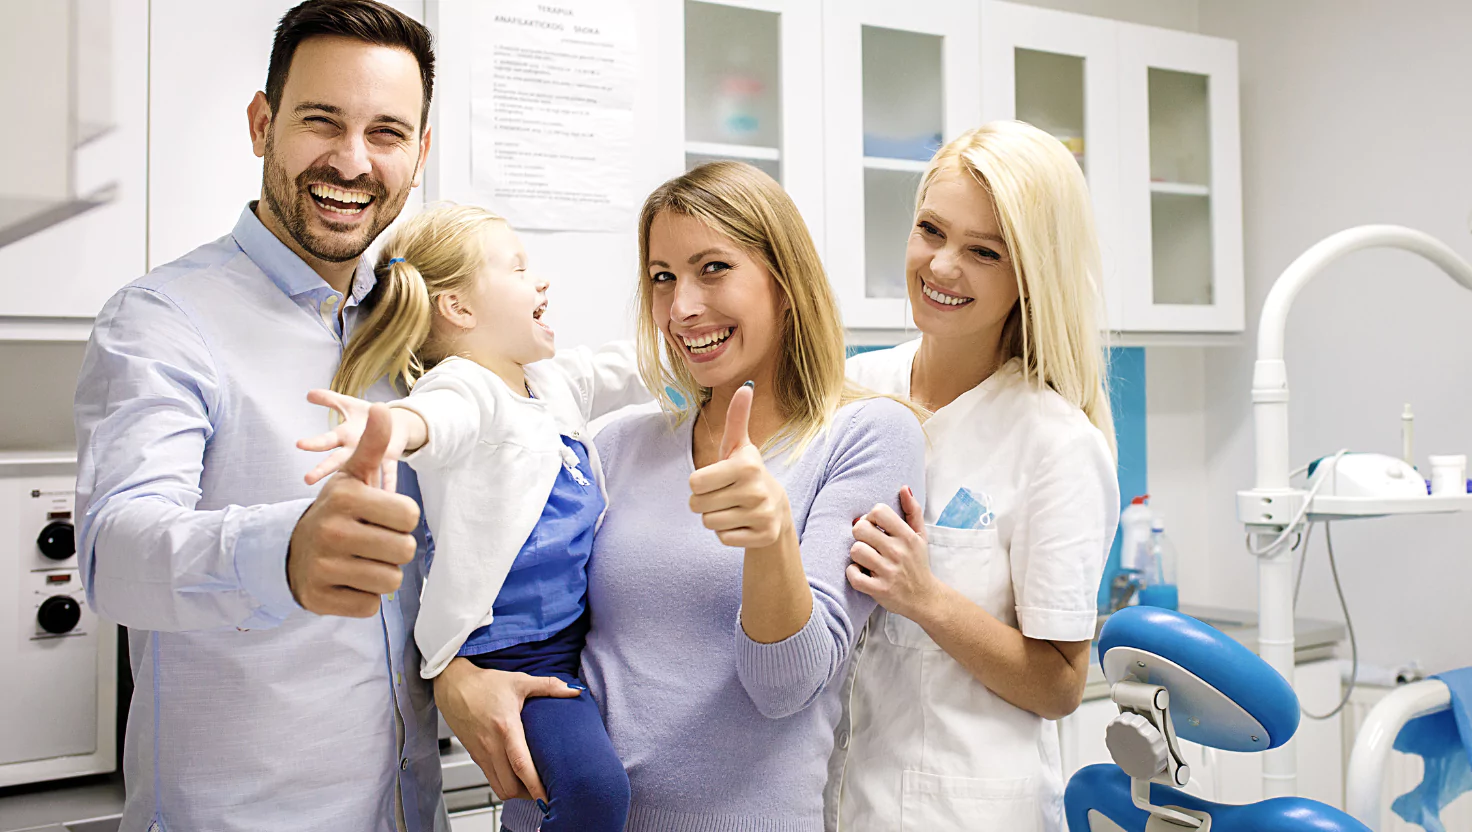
<point>1448,475</point>
<point>738,96</point>
<point>1075,145</point>
<point>1159,588</point>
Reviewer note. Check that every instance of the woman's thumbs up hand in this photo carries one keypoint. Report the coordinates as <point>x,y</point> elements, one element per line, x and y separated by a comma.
<point>737,497</point>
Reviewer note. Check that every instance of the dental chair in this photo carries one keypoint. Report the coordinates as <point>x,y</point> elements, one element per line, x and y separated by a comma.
<point>1175,678</point>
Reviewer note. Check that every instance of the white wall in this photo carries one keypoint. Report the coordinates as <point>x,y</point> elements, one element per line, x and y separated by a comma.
<point>1175,423</point>
<point>1355,113</point>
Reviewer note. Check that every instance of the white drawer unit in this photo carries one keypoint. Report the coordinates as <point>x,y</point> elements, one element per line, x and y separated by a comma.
<point>59,687</point>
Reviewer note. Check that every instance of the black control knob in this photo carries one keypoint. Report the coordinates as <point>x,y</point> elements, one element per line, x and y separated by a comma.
<point>59,614</point>
<point>58,540</point>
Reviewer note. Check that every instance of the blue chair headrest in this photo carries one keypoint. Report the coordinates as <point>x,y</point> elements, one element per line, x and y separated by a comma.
<point>1221,694</point>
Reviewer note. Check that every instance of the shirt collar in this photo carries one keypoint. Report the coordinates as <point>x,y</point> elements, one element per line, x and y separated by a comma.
<point>286,269</point>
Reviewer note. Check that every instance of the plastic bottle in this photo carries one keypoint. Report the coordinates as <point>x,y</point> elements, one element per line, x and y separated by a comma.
<point>1160,581</point>
<point>1134,533</point>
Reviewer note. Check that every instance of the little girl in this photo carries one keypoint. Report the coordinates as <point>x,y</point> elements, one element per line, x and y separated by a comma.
<point>496,429</point>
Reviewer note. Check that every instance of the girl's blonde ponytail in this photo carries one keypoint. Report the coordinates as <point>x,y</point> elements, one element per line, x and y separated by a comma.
<point>393,330</point>
<point>437,251</point>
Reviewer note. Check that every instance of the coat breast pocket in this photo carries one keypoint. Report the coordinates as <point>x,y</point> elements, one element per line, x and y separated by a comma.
<point>963,559</point>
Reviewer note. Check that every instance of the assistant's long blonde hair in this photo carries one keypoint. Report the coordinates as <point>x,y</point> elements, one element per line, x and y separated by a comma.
<point>434,252</point>
<point>1047,218</point>
<point>745,205</point>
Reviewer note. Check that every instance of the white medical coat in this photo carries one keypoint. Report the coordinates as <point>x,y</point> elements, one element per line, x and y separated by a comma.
<point>923,745</point>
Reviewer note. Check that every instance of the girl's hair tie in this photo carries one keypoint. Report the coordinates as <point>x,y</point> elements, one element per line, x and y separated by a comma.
<point>396,260</point>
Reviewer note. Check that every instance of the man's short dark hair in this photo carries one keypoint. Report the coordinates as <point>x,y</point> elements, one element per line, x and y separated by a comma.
<point>365,20</point>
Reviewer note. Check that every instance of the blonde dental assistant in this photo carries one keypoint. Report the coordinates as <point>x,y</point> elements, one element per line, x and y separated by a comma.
<point>988,593</point>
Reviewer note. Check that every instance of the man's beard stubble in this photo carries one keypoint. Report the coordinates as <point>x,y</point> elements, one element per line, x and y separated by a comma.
<point>289,201</point>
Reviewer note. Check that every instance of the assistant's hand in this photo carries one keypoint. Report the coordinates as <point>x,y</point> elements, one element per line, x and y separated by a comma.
<point>737,497</point>
<point>895,553</point>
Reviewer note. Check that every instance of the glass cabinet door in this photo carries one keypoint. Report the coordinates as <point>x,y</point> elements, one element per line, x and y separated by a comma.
<point>897,85</point>
<point>1059,72</point>
<point>1181,174</point>
<point>748,94</point>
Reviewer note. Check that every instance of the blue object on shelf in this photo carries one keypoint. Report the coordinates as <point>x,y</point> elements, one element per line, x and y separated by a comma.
<point>914,148</point>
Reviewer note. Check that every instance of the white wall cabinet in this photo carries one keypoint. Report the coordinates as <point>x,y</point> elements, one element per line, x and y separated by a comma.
<point>1152,115</point>
<point>843,101</point>
<point>1181,177</point>
<point>897,84</point>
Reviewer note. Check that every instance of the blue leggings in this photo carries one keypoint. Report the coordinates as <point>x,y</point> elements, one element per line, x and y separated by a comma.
<point>587,789</point>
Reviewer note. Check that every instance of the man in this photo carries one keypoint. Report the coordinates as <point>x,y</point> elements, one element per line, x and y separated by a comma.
<point>270,624</point>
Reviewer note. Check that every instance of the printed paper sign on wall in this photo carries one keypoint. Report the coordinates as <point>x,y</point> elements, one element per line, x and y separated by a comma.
<point>552,113</point>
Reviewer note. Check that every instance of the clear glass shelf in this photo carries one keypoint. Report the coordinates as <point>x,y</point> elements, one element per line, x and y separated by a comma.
<point>905,165</point>
<point>771,166</point>
<point>1179,189</point>
<point>744,152</point>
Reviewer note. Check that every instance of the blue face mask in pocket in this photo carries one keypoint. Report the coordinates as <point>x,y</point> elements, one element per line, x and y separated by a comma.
<point>967,510</point>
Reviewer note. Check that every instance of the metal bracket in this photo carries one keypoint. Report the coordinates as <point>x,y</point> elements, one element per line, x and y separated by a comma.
<point>1266,511</point>
<point>1166,818</point>
<point>1152,703</point>
<point>1198,821</point>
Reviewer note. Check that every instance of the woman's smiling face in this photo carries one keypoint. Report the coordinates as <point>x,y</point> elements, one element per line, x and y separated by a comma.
<point>961,278</point>
<point>716,303</point>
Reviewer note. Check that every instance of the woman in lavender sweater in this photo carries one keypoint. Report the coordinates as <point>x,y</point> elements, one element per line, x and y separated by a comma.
<point>722,620</point>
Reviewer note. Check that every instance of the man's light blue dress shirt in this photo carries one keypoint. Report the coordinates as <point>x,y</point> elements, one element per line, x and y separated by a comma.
<point>249,713</point>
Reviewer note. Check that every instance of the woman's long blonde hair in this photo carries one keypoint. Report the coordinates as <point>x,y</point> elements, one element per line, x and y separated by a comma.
<point>747,206</point>
<point>1047,218</point>
<point>436,251</point>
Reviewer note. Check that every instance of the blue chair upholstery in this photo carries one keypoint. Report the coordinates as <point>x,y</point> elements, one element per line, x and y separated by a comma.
<point>1198,665</point>
<point>1106,790</point>
<point>1216,659</point>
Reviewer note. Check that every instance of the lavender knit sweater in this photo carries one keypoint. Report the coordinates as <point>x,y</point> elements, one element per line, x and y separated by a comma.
<point>717,731</point>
